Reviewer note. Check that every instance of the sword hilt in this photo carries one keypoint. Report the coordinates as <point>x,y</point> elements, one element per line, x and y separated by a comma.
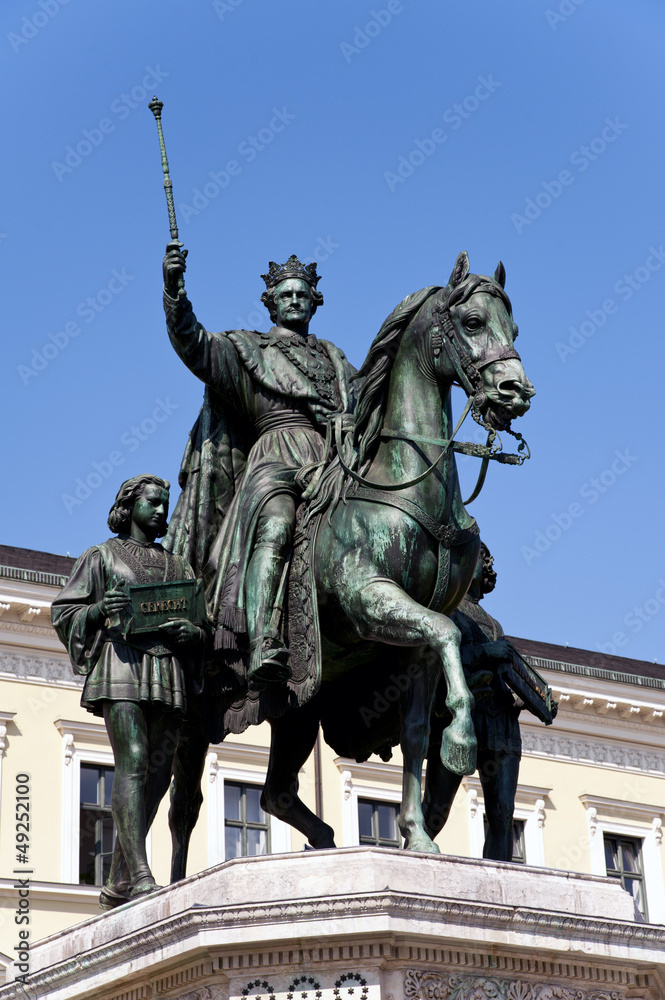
<point>156,108</point>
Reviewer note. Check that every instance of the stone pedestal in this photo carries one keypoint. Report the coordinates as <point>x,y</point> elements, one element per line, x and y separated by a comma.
<point>360,924</point>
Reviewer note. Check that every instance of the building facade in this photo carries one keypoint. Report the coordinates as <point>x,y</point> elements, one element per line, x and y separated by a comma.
<point>591,796</point>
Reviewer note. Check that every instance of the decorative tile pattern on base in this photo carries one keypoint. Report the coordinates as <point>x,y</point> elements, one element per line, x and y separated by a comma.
<point>347,986</point>
<point>420,985</point>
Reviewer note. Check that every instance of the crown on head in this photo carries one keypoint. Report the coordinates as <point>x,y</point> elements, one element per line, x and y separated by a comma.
<point>293,268</point>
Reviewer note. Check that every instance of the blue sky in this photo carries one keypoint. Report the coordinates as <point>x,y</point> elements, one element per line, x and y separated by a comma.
<point>340,123</point>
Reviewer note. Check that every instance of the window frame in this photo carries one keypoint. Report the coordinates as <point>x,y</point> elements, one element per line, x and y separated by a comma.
<point>530,808</point>
<point>103,811</point>
<point>620,874</point>
<point>6,719</point>
<point>72,758</point>
<point>376,838</point>
<point>243,823</point>
<point>522,837</point>
<point>635,821</point>
<point>361,781</point>
<point>221,766</point>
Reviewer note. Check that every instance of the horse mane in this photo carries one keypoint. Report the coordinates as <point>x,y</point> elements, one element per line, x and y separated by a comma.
<point>378,364</point>
<point>332,484</point>
<point>376,370</point>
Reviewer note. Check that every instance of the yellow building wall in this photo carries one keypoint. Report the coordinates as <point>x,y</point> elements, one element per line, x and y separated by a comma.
<point>35,745</point>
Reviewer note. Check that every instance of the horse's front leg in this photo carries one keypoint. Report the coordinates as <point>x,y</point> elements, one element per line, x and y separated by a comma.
<point>416,708</point>
<point>386,613</point>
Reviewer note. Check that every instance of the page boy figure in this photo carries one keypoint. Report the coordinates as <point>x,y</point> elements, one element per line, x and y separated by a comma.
<point>138,683</point>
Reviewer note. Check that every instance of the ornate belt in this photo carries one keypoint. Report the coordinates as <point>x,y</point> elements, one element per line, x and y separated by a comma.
<point>277,420</point>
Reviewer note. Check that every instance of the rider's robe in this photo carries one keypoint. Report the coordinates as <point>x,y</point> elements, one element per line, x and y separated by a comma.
<point>268,399</point>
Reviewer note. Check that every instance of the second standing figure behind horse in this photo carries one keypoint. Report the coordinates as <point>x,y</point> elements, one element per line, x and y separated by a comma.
<point>495,721</point>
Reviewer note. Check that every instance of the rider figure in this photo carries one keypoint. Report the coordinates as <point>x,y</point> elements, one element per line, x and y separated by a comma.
<point>268,400</point>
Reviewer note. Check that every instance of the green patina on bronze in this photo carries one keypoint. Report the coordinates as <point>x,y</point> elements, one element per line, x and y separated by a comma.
<point>487,657</point>
<point>394,548</point>
<point>385,549</point>
<point>140,682</point>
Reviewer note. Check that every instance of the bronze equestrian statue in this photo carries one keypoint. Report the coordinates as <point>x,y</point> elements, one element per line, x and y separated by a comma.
<point>384,551</point>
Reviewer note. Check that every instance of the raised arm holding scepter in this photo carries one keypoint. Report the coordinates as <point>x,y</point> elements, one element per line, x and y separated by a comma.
<point>268,401</point>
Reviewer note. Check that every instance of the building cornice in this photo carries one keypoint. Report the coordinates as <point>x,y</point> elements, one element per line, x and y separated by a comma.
<point>599,673</point>
<point>240,754</point>
<point>615,754</point>
<point>622,807</point>
<point>38,669</point>
<point>85,732</point>
<point>370,770</point>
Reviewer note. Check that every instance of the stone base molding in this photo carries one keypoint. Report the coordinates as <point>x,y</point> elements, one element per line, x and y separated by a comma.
<point>359,924</point>
<point>423,985</point>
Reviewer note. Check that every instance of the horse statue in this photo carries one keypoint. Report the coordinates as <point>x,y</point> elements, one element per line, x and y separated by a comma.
<point>387,548</point>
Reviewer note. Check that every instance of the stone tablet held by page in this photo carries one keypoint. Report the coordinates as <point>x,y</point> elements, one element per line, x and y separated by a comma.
<point>153,604</point>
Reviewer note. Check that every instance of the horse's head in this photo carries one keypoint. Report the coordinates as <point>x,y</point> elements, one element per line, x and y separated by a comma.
<point>474,344</point>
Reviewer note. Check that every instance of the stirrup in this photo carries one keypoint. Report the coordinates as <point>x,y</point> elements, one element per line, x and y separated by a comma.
<point>269,662</point>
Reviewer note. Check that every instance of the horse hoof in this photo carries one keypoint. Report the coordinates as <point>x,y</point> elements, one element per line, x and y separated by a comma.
<point>422,844</point>
<point>323,839</point>
<point>327,844</point>
<point>459,756</point>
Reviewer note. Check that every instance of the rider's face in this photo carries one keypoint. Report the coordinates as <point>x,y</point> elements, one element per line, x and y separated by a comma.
<point>293,303</point>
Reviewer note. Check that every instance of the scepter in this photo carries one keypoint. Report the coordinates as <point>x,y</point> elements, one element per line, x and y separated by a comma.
<point>156,108</point>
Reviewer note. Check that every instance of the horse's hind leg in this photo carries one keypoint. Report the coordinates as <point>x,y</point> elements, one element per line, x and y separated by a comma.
<point>386,613</point>
<point>186,796</point>
<point>292,741</point>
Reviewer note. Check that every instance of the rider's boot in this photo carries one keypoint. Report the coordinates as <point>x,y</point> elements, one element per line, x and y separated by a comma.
<point>269,657</point>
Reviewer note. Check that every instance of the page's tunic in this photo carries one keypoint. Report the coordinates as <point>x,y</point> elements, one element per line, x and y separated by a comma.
<point>115,669</point>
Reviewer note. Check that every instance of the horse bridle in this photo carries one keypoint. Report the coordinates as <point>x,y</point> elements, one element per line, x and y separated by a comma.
<point>468,374</point>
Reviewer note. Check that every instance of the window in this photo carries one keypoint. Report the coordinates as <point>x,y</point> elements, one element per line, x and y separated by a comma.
<point>625,842</point>
<point>246,825</point>
<point>363,787</point>
<point>97,832</point>
<point>623,860</point>
<point>529,817</point>
<point>377,823</point>
<point>519,850</point>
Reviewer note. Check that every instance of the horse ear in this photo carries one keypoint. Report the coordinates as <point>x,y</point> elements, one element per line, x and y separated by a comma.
<point>460,270</point>
<point>500,275</point>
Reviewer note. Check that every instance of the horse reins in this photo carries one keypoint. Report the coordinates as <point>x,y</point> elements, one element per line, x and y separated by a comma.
<point>468,373</point>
